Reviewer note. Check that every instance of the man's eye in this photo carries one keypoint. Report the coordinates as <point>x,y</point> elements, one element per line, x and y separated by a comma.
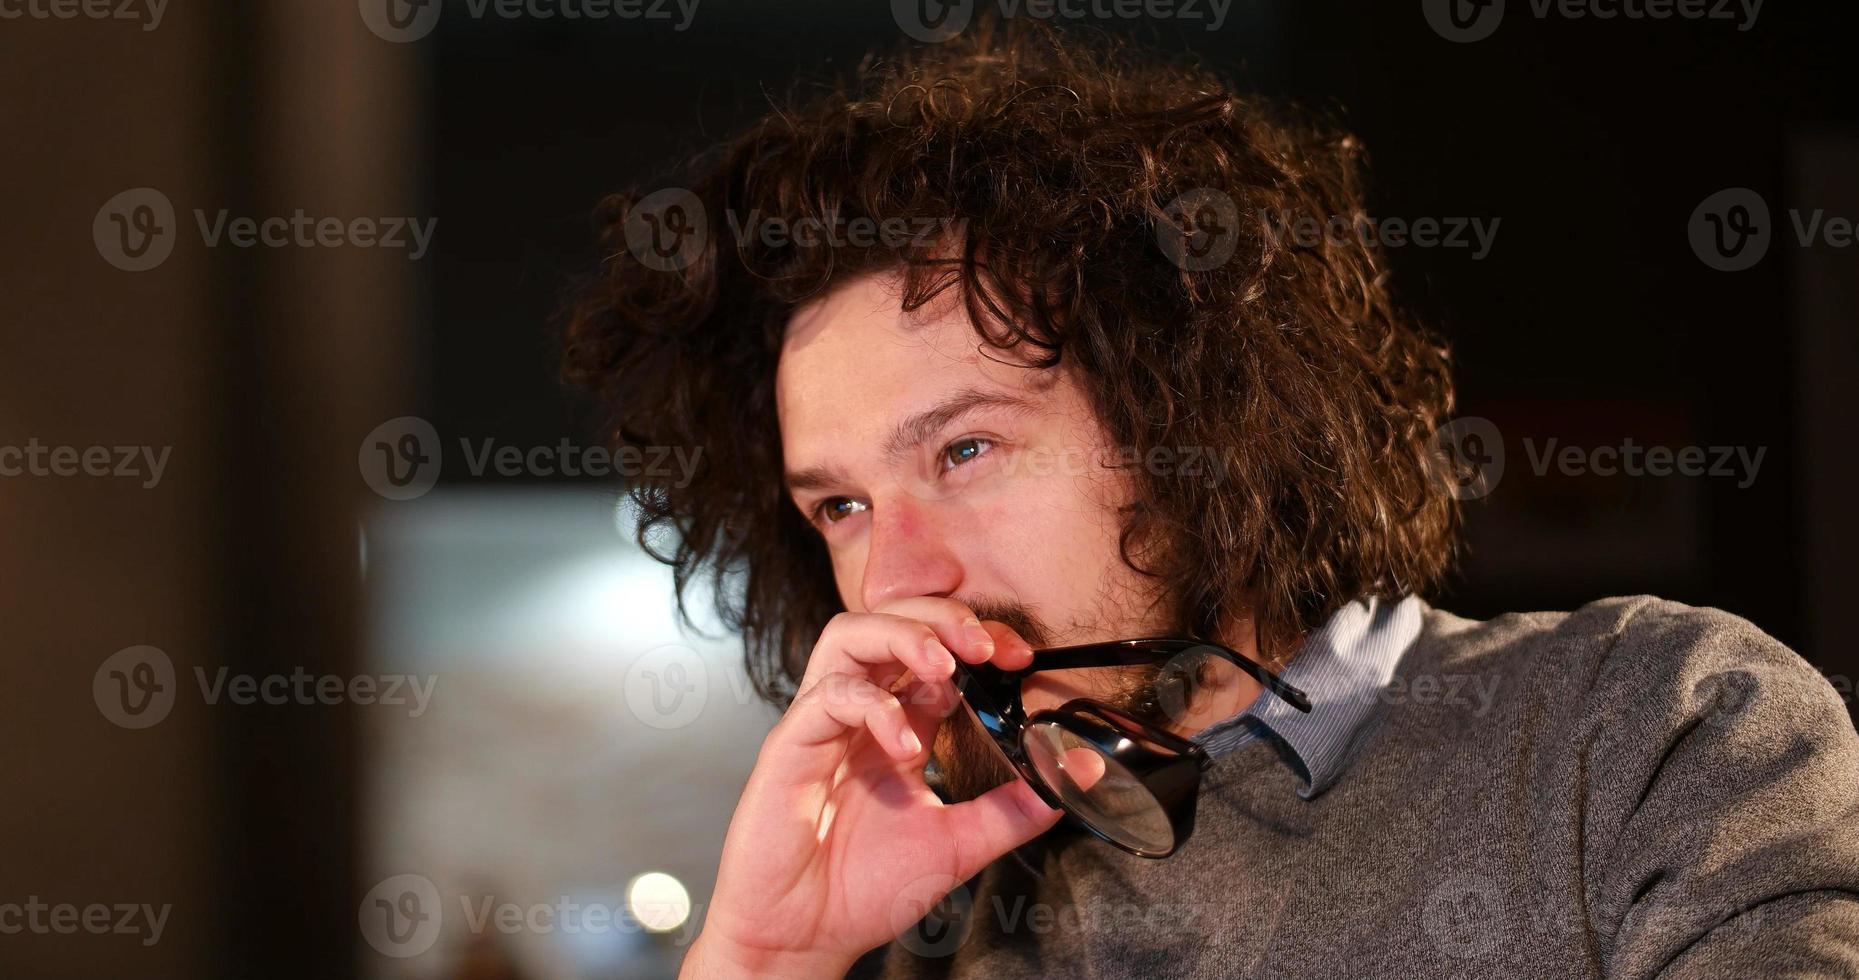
<point>832,510</point>
<point>963,451</point>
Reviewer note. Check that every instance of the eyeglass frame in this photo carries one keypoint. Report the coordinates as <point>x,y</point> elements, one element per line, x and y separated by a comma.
<point>1171,776</point>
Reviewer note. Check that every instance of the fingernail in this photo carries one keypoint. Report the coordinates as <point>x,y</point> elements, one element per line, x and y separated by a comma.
<point>940,656</point>
<point>910,742</point>
<point>978,637</point>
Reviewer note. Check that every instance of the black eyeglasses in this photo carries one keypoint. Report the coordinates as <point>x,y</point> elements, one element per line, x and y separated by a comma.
<point>1130,783</point>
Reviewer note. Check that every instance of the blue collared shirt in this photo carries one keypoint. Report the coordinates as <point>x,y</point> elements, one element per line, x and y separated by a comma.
<point>1343,666</point>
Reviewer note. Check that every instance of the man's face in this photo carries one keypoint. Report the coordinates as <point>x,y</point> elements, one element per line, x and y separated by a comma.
<point>934,465</point>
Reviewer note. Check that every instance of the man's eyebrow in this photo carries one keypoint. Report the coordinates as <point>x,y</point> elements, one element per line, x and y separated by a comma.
<point>911,432</point>
<point>816,478</point>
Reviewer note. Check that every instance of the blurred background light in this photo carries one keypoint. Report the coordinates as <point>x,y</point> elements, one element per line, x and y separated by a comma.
<point>658,901</point>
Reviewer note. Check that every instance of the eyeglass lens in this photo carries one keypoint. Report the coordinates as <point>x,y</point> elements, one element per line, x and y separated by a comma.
<point>1096,789</point>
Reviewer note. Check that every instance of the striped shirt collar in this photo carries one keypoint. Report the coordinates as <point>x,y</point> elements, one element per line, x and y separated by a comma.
<point>1342,666</point>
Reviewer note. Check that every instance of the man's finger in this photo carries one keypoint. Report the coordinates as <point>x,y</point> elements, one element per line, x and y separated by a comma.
<point>953,621</point>
<point>880,647</point>
<point>1011,652</point>
<point>811,737</point>
<point>927,704</point>
<point>996,822</point>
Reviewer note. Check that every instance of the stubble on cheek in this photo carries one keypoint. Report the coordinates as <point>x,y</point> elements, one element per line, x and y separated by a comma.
<point>967,759</point>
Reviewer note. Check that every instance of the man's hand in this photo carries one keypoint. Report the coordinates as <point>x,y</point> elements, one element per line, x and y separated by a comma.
<point>837,843</point>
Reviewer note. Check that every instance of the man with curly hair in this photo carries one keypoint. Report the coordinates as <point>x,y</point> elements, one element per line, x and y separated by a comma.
<point>1003,346</point>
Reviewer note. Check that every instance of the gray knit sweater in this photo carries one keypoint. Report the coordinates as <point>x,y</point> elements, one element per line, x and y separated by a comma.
<point>1654,791</point>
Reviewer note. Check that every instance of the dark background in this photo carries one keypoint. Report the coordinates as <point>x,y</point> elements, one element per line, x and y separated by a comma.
<point>1590,321</point>
<point>1591,318</point>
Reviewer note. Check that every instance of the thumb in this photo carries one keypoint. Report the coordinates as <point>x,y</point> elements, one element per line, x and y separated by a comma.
<point>996,822</point>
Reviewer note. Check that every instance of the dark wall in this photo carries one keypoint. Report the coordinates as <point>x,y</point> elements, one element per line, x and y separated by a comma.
<point>1590,320</point>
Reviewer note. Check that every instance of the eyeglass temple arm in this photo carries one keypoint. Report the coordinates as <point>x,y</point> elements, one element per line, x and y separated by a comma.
<point>1135,653</point>
<point>1151,732</point>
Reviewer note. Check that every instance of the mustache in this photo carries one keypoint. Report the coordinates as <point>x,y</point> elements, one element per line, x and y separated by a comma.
<point>967,761</point>
<point>1016,616</point>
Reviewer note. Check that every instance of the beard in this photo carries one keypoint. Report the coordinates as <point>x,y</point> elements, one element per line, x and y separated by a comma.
<point>967,761</point>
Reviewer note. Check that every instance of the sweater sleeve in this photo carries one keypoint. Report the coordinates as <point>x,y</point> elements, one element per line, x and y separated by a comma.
<point>1721,828</point>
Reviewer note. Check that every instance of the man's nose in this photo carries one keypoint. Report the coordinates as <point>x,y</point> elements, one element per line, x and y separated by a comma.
<point>909,555</point>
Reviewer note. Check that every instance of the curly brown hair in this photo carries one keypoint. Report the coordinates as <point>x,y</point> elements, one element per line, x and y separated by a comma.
<point>1059,157</point>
